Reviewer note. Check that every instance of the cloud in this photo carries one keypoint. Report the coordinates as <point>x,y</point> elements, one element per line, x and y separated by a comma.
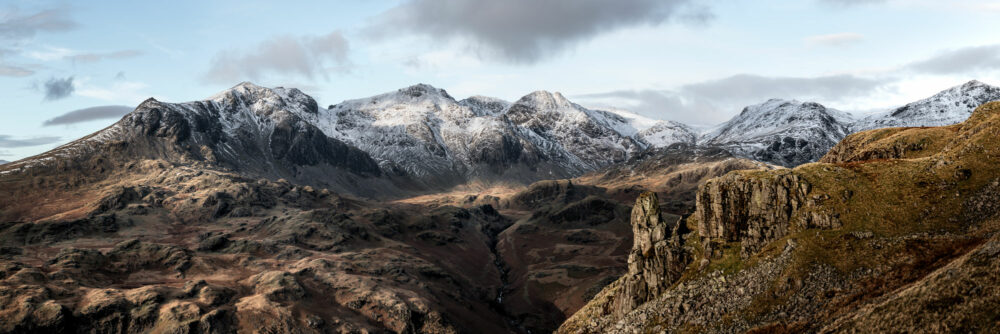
<point>88,114</point>
<point>657,104</point>
<point>746,86</point>
<point>307,57</point>
<point>13,25</point>
<point>960,61</point>
<point>7,141</point>
<point>527,31</point>
<point>120,91</point>
<point>58,88</point>
<point>840,39</point>
<point>852,2</point>
<point>50,53</point>
<point>14,71</point>
<point>714,101</point>
<point>90,57</point>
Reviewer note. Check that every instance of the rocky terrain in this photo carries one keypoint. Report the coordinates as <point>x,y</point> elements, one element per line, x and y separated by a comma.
<point>570,238</point>
<point>212,217</point>
<point>895,230</point>
<point>257,210</point>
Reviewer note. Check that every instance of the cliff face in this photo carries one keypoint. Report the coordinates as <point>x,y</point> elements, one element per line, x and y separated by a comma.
<point>657,257</point>
<point>756,208</point>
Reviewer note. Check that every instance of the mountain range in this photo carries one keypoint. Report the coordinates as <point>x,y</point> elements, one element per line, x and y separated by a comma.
<point>259,210</point>
<point>420,139</point>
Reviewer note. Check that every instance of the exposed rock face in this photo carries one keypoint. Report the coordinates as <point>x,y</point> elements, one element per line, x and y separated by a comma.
<point>657,257</point>
<point>757,208</point>
<point>579,235</point>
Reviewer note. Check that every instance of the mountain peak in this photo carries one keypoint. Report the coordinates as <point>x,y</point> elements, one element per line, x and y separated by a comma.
<point>545,100</point>
<point>949,106</point>
<point>973,83</point>
<point>422,89</point>
<point>246,84</point>
<point>972,87</point>
<point>267,99</point>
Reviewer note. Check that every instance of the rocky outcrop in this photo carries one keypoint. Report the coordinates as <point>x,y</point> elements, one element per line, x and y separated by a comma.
<point>893,143</point>
<point>756,208</point>
<point>657,257</point>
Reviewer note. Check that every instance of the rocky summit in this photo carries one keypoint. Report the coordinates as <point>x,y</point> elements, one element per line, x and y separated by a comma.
<point>259,210</point>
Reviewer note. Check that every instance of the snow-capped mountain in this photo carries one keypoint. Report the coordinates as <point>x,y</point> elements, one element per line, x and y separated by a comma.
<point>420,138</point>
<point>790,133</point>
<point>655,133</point>
<point>422,131</point>
<point>417,138</point>
<point>948,107</point>
<point>255,130</point>
<point>781,132</point>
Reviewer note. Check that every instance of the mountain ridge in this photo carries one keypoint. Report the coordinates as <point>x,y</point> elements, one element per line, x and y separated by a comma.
<point>420,138</point>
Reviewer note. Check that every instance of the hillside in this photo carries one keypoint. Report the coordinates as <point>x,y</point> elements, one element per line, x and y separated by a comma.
<point>873,239</point>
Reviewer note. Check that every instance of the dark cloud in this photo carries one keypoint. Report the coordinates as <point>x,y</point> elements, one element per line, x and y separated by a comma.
<point>308,57</point>
<point>13,25</point>
<point>91,57</point>
<point>89,114</point>
<point>960,61</point>
<point>9,142</point>
<point>526,31</point>
<point>57,88</point>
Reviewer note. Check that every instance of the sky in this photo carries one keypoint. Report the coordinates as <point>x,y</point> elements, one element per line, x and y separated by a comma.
<point>68,69</point>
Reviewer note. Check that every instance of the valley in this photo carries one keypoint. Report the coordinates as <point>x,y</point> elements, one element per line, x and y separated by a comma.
<point>411,211</point>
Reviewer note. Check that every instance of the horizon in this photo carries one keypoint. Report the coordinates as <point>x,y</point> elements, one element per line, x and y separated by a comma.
<point>854,56</point>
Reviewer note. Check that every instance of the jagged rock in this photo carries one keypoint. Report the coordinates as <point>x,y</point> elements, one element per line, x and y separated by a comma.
<point>657,257</point>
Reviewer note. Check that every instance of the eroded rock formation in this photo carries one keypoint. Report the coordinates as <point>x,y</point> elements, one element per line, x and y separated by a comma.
<point>657,257</point>
<point>756,208</point>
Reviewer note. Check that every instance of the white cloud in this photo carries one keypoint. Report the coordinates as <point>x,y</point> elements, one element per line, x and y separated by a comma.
<point>123,92</point>
<point>306,56</point>
<point>839,39</point>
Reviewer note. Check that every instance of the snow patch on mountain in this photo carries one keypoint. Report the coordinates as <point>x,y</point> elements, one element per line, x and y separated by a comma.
<point>783,132</point>
<point>948,107</point>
